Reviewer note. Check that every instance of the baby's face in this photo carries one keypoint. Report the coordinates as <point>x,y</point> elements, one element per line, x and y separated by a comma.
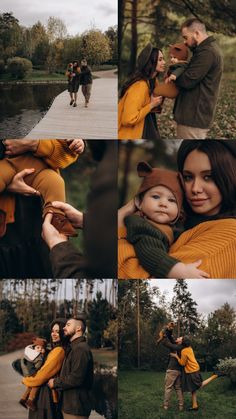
<point>39,349</point>
<point>159,205</point>
<point>173,59</point>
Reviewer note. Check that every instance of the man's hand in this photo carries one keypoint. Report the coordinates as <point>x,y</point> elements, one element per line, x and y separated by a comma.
<point>51,383</point>
<point>50,234</point>
<point>16,147</point>
<point>77,146</point>
<point>18,184</point>
<point>75,217</point>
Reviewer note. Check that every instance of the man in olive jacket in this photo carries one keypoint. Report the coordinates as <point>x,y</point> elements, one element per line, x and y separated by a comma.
<point>76,376</point>
<point>173,374</point>
<point>199,84</point>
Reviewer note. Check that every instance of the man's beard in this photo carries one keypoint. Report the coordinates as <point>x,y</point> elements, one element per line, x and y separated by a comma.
<point>194,45</point>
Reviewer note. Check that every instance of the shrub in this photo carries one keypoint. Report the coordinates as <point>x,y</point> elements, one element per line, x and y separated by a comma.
<point>228,365</point>
<point>19,67</point>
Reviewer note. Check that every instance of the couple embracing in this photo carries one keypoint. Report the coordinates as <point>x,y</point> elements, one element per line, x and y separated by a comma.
<point>194,84</point>
<point>183,371</point>
<point>60,388</point>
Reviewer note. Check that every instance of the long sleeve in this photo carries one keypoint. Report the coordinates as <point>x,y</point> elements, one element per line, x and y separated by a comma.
<point>49,369</point>
<point>128,263</point>
<point>76,377</point>
<point>172,346</point>
<point>67,261</point>
<point>197,69</point>
<point>136,104</point>
<point>214,242</point>
<point>56,153</point>
<point>183,360</point>
<point>150,245</point>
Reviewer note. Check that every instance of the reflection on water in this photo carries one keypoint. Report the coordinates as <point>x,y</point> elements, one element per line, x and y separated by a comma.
<point>22,106</point>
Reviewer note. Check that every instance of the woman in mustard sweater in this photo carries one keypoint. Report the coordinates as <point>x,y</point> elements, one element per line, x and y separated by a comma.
<point>47,401</point>
<point>191,379</point>
<point>141,94</point>
<point>208,170</point>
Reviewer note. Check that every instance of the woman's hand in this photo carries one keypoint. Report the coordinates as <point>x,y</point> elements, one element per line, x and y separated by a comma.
<point>127,209</point>
<point>77,145</point>
<point>18,184</point>
<point>75,217</point>
<point>16,147</point>
<point>155,101</point>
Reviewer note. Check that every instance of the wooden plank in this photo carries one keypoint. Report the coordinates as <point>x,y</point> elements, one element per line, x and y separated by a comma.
<point>98,121</point>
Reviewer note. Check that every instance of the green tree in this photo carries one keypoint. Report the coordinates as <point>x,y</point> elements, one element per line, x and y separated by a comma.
<point>10,35</point>
<point>99,313</point>
<point>184,309</point>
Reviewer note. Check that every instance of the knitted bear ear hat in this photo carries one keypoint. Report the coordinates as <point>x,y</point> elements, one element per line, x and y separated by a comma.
<point>39,341</point>
<point>155,177</point>
<point>179,51</point>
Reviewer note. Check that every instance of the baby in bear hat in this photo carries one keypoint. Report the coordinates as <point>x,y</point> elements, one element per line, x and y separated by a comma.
<point>150,229</point>
<point>34,357</point>
<point>179,61</point>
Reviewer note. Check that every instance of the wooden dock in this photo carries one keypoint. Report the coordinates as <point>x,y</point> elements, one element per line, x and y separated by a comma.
<point>98,121</point>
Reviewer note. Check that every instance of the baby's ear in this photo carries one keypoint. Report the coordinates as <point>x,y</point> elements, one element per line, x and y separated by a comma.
<point>144,169</point>
<point>137,202</point>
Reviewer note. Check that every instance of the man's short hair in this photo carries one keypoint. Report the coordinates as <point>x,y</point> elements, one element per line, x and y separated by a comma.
<point>194,24</point>
<point>82,323</point>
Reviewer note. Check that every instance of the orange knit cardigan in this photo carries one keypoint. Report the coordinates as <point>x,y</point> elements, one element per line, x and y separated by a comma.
<point>135,105</point>
<point>214,242</point>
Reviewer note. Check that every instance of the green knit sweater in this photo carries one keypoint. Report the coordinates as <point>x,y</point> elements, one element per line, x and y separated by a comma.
<point>151,246</point>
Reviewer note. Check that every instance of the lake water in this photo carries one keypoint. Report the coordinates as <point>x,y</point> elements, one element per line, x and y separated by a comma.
<point>23,105</point>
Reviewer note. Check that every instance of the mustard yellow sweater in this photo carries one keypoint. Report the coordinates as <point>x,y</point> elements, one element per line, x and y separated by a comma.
<point>188,360</point>
<point>214,242</point>
<point>50,368</point>
<point>56,154</point>
<point>135,105</point>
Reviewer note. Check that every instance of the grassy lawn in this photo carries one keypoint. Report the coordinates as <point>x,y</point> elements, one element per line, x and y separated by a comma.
<point>141,396</point>
<point>105,357</point>
<point>224,125</point>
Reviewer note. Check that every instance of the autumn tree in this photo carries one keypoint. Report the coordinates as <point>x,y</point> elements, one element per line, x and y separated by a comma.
<point>95,47</point>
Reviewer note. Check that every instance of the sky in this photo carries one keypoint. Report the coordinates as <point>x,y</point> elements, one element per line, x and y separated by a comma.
<point>208,294</point>
<point>78,15</point>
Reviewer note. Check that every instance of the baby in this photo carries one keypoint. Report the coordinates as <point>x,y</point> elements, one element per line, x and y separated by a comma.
<point>167,332</point>
<point>179,61</point>
<point>70,71</point>
<point>150,229</point>
<point>34,357</point>
<point>44,179</point>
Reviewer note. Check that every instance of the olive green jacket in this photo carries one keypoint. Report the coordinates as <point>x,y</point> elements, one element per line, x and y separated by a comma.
<point>199,86</point>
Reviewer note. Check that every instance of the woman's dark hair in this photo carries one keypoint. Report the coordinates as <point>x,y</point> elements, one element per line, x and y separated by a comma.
<point>222,157</point>
<point>61,323</point>
<point>146,73</point>
<point>75,62</point>
<point>186,342</point>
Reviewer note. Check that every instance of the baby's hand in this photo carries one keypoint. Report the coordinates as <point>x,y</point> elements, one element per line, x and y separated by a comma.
<point>77,145</point>
<point>187,271</point>
<point>171,78</point>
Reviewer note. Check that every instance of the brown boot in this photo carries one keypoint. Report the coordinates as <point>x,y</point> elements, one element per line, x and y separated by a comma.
<point>63,225</point>
<point>3,225</point>
<point>23,403</point>
<point>31,405</point>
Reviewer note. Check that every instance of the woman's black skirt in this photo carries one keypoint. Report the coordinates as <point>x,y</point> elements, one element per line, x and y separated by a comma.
<point>191,381</point>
